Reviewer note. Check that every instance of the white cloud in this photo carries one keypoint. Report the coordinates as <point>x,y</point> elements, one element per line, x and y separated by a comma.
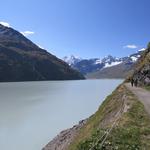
<point>27,33</point>
<point>6,24</point>
<point>131,46</point>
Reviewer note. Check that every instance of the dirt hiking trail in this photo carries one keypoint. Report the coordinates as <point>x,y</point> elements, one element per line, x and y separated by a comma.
<point>143,95</point>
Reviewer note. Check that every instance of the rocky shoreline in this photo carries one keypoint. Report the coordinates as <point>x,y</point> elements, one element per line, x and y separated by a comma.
<point>64,138</point>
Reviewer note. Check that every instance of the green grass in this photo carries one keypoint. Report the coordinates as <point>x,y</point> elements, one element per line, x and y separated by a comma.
<point>132,131</point>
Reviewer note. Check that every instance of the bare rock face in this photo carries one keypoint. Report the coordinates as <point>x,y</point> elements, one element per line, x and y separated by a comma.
<point>63,140</point>
<point>142,74</point>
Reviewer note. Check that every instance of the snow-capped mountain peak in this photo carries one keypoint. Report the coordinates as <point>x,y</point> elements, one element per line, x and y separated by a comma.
<point>110,61</point>
<point>71,60</point>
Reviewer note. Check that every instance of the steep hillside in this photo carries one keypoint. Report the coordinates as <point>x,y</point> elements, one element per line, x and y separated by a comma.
<point>142,70</point>
<point>22,60</point>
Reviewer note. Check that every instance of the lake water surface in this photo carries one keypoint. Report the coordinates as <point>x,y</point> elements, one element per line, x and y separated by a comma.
<point>32,113</point>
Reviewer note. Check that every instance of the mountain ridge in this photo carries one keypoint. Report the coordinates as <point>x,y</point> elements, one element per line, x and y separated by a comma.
<point>22,60</point>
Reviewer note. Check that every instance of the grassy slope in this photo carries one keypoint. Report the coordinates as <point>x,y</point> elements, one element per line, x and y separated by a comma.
<point>131,132</point>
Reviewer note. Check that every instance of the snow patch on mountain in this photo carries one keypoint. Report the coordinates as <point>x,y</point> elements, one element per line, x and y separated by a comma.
<point>98,61</point>
<point>112,64</point>
<point>142,49</point>
<point>6,24</point>
<point>134,59</point>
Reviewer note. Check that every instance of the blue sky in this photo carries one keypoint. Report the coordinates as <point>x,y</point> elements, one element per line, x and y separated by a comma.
<point>87,28</point>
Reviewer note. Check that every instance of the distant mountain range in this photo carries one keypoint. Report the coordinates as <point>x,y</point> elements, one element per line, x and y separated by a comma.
<point>107,67</point>
<point>22,60</point>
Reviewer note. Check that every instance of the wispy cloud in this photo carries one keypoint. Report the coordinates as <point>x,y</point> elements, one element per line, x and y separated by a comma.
<point>131,46</point>
<point>27,33</point>
<point>6,24</point>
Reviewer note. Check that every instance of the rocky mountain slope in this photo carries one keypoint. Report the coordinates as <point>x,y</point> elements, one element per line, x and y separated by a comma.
<point>61,141</point>
<point>142,70</point>
<point>22,60</point>
<point>105,67</point>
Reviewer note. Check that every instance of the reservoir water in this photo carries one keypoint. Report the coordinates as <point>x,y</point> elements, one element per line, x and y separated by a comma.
<point>32,113</point>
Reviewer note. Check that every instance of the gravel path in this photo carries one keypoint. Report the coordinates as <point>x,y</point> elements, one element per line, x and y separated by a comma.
<point>142,94</point>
